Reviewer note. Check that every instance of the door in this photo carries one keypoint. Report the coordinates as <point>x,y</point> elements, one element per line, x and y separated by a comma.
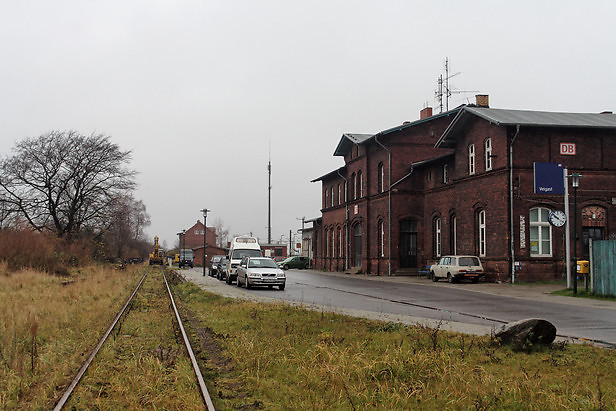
<point>408,243</point>
<point>357,240</point>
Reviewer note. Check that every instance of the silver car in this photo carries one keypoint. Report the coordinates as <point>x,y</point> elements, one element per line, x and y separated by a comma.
<point>260,271</point>
<point>457,267</point>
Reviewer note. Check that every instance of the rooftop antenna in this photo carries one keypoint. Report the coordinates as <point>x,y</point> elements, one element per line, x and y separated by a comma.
<point>443,91</point>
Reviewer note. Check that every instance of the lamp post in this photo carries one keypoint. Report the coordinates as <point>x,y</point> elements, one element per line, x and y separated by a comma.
<point>204,211</point>
<point>575,183</point>
<point>180,245</point>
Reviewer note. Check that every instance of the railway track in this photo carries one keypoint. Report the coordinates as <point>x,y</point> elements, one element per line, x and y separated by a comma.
<point>116,323</point>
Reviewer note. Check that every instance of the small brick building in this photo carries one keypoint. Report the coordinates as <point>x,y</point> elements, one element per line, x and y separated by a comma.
<point>462,182</point>
<point>193,239</point>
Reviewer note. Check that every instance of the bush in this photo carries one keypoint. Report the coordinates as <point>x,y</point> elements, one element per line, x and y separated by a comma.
<point>30,249</point>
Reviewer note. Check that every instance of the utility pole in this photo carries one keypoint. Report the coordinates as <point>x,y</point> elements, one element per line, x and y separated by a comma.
<point>269,201</point>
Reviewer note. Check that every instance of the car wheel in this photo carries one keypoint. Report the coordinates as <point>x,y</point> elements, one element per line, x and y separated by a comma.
<point>281,287</point>
<point>449,278</point>
<point>270,286</point>
<point>227,279</point>
<point>475,280</point>
<point>306,266</point>
<point>237,281</point>
<point>248,286</point>
<point>286,266</point>
<point>434,277</point>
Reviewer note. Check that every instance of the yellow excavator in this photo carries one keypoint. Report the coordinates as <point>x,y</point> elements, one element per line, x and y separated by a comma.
<point>158,254</point>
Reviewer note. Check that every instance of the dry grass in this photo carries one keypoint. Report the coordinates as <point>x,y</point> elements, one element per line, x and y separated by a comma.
<point>47,325</point>
<point>285,357</point>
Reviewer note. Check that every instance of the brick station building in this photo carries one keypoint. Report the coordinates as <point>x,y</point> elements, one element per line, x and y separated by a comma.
<point>462,182</point>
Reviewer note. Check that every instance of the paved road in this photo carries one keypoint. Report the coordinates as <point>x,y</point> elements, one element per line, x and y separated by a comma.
<point>471,308</point>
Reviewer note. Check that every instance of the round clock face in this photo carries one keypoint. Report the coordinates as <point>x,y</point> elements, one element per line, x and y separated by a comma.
<point>557,218</point>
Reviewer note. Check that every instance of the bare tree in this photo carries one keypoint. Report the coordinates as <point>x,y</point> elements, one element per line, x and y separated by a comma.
<point>125,230</point>
<point>65,182</point>
<point>222,233</point>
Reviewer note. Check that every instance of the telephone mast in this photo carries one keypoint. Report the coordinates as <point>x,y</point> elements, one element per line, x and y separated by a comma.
<point>269,197</point>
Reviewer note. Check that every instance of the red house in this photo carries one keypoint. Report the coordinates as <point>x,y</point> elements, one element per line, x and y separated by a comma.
<point>461,182</point>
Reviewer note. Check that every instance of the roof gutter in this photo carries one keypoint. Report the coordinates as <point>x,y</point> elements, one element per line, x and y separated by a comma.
<point>376,139</point>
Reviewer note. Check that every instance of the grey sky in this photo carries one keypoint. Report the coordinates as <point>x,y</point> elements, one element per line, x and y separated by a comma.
<point>199,89</point>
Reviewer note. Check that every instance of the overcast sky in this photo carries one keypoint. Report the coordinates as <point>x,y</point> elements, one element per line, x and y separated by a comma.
<point>200,90</point>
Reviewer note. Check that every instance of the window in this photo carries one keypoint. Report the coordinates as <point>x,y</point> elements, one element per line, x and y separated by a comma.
<point>381,239</point>
<point>481,225</point>
<point>340,244</point>
<point>332,196</point>
<point>471,159</point>
<point>452,234</point>
<point>381,174</point>
<point>333,243</point>
<point>326,198</point>
<point>346,190</point>
<point>488,152</point>
<point>445,174</point>
<point>326,243</point>
<point>437,237</point>
<point>360,177</point>
<point>339,195</point>
<point>354,178</point>
<point>540,232</point>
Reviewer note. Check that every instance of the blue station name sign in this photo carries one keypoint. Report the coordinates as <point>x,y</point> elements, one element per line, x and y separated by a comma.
<point>549,178</point>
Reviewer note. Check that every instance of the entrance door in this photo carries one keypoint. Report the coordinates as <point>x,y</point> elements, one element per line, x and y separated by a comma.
<point>588,233</point>
<point>357,239</point>
<point>408,243</point>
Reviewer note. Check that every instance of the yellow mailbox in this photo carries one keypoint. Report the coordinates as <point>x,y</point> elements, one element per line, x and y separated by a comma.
<point>583,267</point>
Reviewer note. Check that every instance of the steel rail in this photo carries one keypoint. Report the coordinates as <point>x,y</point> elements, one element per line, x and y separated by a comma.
<point>85,366</point>
<point>204,392</point>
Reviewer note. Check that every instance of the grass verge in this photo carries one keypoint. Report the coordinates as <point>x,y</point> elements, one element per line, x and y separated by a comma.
<point>284,357</point>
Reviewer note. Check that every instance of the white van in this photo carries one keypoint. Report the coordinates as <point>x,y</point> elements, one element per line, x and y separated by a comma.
<point>240,247</point>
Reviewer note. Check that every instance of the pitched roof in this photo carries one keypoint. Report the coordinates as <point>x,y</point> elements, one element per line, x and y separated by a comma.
<point>524,118</point>
<point>348,140</point>
<point>331,173</point>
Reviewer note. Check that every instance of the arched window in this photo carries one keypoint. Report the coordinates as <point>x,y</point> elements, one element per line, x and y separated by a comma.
<point>354,179</point>
<point>437,237</point>
<point>471,159</point>
<point>381,175</point>
<point>326,202</point>
<point>488,153</point>
<point>326,234</point>
<point>339,195</point>
<point>481,233</point>
<point>540,232</point>
<point>340,242</point>
<point>381,239</point>
<point>360,177</point>
<point>453,234</point>
<point>445,174</point>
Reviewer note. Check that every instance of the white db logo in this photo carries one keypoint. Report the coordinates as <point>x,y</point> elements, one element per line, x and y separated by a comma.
<point>567,149</point>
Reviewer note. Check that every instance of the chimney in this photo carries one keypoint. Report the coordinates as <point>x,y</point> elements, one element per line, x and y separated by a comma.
<point>482,100</point>
<point>425,113</point>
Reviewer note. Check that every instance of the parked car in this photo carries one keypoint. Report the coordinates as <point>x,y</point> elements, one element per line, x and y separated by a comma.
<point>260,271</point>
<point>457,267</point>
<point>297,261</point>
<point>221,268</point>
<point>278,259</point>
<point>214,264</point>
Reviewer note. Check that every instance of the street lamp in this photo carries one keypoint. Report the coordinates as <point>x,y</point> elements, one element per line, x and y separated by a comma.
<point>575,183</point>
<point>204,211</point>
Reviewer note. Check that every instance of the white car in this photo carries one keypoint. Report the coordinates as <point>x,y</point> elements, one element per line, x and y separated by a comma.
<point>457,267</point>
<point>260,271</point>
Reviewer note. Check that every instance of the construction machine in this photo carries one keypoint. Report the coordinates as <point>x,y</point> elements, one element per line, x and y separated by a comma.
<point>157,256</point>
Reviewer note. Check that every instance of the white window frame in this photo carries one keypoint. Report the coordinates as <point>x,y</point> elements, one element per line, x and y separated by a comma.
<point>454,235</point>
<point>326,197</point>
<point>471,159</point>
<point>382,177</point>
<point>382,237</point>
<point>536,232</point>
<point>481,225</point>
<point>340,245</point>
<point>354,186</point>
<point>333,243</point>
<point>437,236</point>
<point>332,194</point>
<point>361,183</point>
<point>445,174</point>
<point>339,195</point>
<point>487,145</point>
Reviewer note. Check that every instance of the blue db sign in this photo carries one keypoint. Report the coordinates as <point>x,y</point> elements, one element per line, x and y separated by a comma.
<point>549,178</point>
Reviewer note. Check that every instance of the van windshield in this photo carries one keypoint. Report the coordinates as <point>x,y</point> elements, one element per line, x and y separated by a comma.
<point>239,254</point>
